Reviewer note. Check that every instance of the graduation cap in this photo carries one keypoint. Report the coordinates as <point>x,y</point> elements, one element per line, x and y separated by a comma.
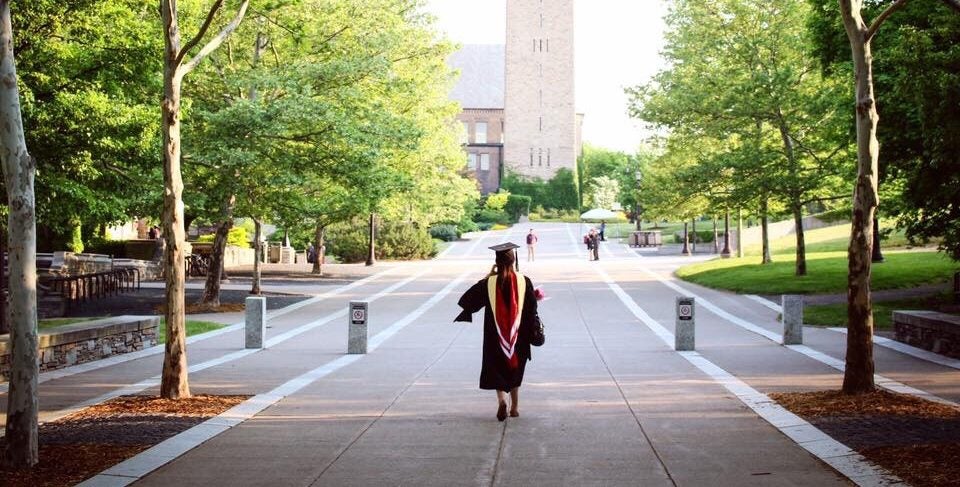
<point>507,247</point>
<point>504,247</point>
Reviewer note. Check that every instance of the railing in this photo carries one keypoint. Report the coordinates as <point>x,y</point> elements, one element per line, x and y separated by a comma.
<point>84,287</point>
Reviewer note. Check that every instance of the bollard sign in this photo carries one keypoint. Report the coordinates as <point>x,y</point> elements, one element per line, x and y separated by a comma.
<point>358,313</point>
<point>685,309</point>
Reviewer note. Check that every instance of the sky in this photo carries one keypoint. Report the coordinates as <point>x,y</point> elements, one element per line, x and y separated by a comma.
<point>616,45</point>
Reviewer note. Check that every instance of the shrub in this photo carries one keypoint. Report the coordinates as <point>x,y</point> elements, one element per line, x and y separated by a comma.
<point>237,237</point>
<point>491,216</point>
<point>560,192</point>
<point>99,245</point>
<point>497,201</point>
<point>516,206</point>
<point>394,241</point>
<point>467,225</point>
<point>447,233</point>
<point>484,226</point>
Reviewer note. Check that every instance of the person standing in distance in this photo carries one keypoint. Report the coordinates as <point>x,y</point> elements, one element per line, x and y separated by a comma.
<point>531,243</point>
<point>509,318</point>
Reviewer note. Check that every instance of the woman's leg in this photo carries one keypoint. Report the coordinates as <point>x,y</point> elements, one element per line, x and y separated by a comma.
<point>515,402</point>
<point>501,405</point>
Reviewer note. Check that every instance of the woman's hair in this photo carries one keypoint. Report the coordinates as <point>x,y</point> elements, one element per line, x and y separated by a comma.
<point>504,263</point>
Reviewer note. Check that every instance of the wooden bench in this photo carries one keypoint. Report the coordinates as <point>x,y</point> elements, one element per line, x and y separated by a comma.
<point>930,330</point>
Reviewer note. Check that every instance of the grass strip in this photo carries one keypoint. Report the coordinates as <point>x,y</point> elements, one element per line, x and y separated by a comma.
<point>826,273</point>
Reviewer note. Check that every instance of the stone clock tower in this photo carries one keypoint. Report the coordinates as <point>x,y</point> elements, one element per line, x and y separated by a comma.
<point>540,120</point>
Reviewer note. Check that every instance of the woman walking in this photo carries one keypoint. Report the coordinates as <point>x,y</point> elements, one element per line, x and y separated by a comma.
<point>509,319</point>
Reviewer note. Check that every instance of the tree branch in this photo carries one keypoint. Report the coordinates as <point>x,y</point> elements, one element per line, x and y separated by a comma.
<point>216,41</point>
<point>202,32</point>
<point>896,5</point>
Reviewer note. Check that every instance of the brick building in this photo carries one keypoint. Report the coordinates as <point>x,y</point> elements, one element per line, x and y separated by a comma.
<point>518,98</point>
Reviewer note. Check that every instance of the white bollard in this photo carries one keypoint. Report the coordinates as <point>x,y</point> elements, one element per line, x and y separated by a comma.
<point>684,331</point>
<point>256,322</point>
<point>357,328</point>
<point>792,316</point>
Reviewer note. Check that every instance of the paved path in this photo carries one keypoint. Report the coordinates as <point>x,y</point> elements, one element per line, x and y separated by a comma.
<point>606,402</point>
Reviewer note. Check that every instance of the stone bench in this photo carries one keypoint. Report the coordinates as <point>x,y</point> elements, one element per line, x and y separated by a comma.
<point>87,341</point>
<point>930,330</point>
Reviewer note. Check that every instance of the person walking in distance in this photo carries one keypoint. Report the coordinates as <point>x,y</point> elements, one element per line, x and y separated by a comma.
<point>595,243</point>
<point>531,243</point>
<point>603,229</point>
<point>588,241</point>
<point>509,318</point>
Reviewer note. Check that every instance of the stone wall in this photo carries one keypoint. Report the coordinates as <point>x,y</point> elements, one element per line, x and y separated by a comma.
<point>88,341</point>
<point>929,330</point>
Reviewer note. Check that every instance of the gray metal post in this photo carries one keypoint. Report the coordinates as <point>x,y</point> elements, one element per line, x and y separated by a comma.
<point>792,306</point>
<point>256,322</point>
<point>357,328</point>
<point>684,331</point>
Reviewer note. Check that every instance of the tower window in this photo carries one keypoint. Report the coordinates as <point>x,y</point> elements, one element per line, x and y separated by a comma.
<point>531,157</point>
<point>541,124</point>
<point>534,45</point>
<point>548,45</point>
<point>540,157</point>
<point>548,157</point>
<point>541,45</point>
<point>480,133</point>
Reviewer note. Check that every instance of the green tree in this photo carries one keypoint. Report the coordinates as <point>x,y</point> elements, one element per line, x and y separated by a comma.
<point>18,174</point>
<point>740,68</point>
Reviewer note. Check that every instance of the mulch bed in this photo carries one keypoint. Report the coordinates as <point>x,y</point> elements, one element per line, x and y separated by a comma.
<point>915,439</point>
<point>90,441</point>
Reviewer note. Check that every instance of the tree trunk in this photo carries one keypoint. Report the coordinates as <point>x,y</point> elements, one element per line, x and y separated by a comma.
<point>319,233</point>
<point>371,254</point>
<point>801,266</point>
<point>716,239</point>
<point>858,374</point>
<point>686,241</point>
<point>174,383</point>
<point>877,255</point>
<point>19,170</point>
<point>765,231</point>
<point>257,255</point>
<point>693,229</point>
<point>739,233</point>
<point>726,234</point>
<point>4,322</point>
<point>211,290</point>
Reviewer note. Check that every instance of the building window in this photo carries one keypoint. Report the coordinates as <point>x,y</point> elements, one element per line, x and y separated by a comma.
<point>548,45</point>
<point>541,123</point>
<point>548,157</point>
<point>540,157</point>
<point>465,136</point>
<point>472,162</point>
<point>480,133</point>
<point>531,157</point>
<point>534,45</point>
<point>484,162</point>
<point>541,45</point>
<point>503,130</point>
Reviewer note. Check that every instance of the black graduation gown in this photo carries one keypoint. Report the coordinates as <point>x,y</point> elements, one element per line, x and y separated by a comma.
<point>495,374</point>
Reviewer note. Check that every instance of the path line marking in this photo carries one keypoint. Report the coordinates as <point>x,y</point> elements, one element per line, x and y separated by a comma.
<point>230,357</point>
<point>846,461</point>
<point>147,352</point>
<point>879,380</point>
<point>136,467</point>
<point>881,341</point>
<point>910,350</point>
<point>764,301</point>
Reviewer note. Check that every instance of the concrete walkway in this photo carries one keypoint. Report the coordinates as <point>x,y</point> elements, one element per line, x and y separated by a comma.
<point>605,402</point>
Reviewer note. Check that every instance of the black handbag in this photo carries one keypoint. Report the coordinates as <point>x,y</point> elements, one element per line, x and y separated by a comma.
<point>538,337</point>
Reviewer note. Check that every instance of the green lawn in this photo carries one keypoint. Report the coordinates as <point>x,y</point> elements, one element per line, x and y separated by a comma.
<point>836,314</point>
<point>828,239</point>
<point>55,322</point>
<point>826,273</point>
<point>193,328</point>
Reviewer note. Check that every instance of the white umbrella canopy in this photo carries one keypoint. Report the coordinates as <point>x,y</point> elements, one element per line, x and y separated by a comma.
<point>598,214</point>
